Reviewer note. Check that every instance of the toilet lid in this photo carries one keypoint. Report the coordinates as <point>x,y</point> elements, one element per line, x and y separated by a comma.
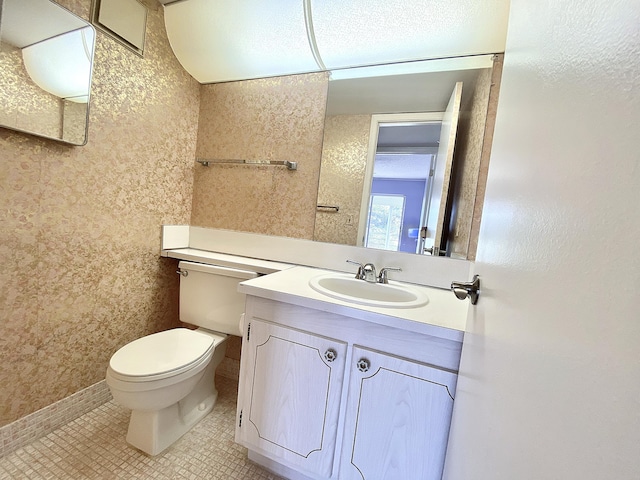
<point>160,353</point>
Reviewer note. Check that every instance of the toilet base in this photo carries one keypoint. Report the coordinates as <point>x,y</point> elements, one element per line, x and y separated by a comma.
<point>153,431</point>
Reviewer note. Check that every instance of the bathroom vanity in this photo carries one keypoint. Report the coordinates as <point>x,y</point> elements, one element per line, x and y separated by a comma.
<point>329,389</point>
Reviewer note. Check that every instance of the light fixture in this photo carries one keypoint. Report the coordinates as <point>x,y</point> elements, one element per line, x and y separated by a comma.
<point>228,40</point>
<point>353,33</point>
<point>62,65</point>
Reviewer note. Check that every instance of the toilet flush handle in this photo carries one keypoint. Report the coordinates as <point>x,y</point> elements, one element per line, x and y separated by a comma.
<point>184,273</point>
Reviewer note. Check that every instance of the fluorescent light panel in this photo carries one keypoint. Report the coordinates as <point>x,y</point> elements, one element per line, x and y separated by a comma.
<point>364,32</point>
<point>228,40</point>
<point>222,40</point>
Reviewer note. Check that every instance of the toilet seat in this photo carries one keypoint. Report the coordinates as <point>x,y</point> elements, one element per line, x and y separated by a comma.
<point>162,355</point>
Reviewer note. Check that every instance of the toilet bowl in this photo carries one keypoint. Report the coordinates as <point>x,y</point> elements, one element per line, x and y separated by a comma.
<point>172,390</point>
<point>167,379</point>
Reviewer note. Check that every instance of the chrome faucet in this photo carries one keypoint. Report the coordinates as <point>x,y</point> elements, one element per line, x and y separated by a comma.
<point>367,272</point>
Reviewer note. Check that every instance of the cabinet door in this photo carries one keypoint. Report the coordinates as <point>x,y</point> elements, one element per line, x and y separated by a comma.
<point>397,419</point>
<point>291,395</point>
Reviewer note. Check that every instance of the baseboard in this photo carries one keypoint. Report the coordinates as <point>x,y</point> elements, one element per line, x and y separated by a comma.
<point>229,368</point>
<point>42,422</point>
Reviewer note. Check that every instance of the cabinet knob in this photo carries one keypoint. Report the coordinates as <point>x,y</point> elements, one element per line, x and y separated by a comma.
<point>330,355</point>
<point>363,365</point>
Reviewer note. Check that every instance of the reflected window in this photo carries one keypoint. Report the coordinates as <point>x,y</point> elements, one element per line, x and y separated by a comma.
<point>385,222</point>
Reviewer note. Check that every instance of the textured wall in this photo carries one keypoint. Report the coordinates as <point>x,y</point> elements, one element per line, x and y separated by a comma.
<point>275,118</point>
<point>81,273</point>
<point>344,159</point>
<point>483,169</point>
<point>473,147</point>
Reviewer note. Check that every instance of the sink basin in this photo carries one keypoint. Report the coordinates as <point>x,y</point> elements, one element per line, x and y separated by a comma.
<point>349,289</point>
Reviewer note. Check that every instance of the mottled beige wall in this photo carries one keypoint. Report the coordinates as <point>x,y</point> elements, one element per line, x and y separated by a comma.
<point>473,147</point>
<point>344,160</point>
<point>483,170</point>
<point>79,243</point>
<point>268,119</point>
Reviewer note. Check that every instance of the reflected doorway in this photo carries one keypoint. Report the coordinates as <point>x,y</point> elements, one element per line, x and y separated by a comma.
<point>399,177</point>
<point>414,134</point>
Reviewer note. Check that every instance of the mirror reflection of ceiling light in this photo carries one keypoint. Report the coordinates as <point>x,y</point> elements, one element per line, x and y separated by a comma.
<point>62,65</point>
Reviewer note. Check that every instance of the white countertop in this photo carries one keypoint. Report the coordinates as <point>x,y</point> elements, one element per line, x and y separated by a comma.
<point>225,260</point>
<point>444,316</point>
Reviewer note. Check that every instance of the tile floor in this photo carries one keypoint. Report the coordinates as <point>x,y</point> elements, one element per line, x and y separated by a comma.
<point>93,447</point>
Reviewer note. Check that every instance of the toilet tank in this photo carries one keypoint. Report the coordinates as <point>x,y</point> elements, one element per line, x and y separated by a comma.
<point>209,296</point>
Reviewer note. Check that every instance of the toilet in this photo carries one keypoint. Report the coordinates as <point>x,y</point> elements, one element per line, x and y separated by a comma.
<point>167,378</point>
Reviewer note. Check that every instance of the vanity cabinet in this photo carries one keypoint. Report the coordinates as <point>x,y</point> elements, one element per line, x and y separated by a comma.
<point>292,386</point>
<point>397,418</point>
<point>333,397</point>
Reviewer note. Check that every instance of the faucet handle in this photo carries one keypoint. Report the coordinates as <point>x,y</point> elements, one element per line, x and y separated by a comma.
<point>382,278</point>
<point>360,272</point>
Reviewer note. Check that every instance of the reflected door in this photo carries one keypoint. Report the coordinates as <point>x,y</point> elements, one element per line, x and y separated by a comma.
<point>436,211</point>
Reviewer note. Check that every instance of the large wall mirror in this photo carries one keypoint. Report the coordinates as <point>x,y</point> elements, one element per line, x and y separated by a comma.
<point>46,55</point>
<point>405,154</point>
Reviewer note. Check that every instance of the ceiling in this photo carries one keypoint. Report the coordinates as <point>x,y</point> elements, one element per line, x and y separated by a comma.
<point>402,167</point>
<point>417,92</point>
<point>419,135</point>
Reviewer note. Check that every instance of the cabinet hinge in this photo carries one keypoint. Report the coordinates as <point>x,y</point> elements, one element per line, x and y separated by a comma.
<point>248,331</point>
<point>240,421</point>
